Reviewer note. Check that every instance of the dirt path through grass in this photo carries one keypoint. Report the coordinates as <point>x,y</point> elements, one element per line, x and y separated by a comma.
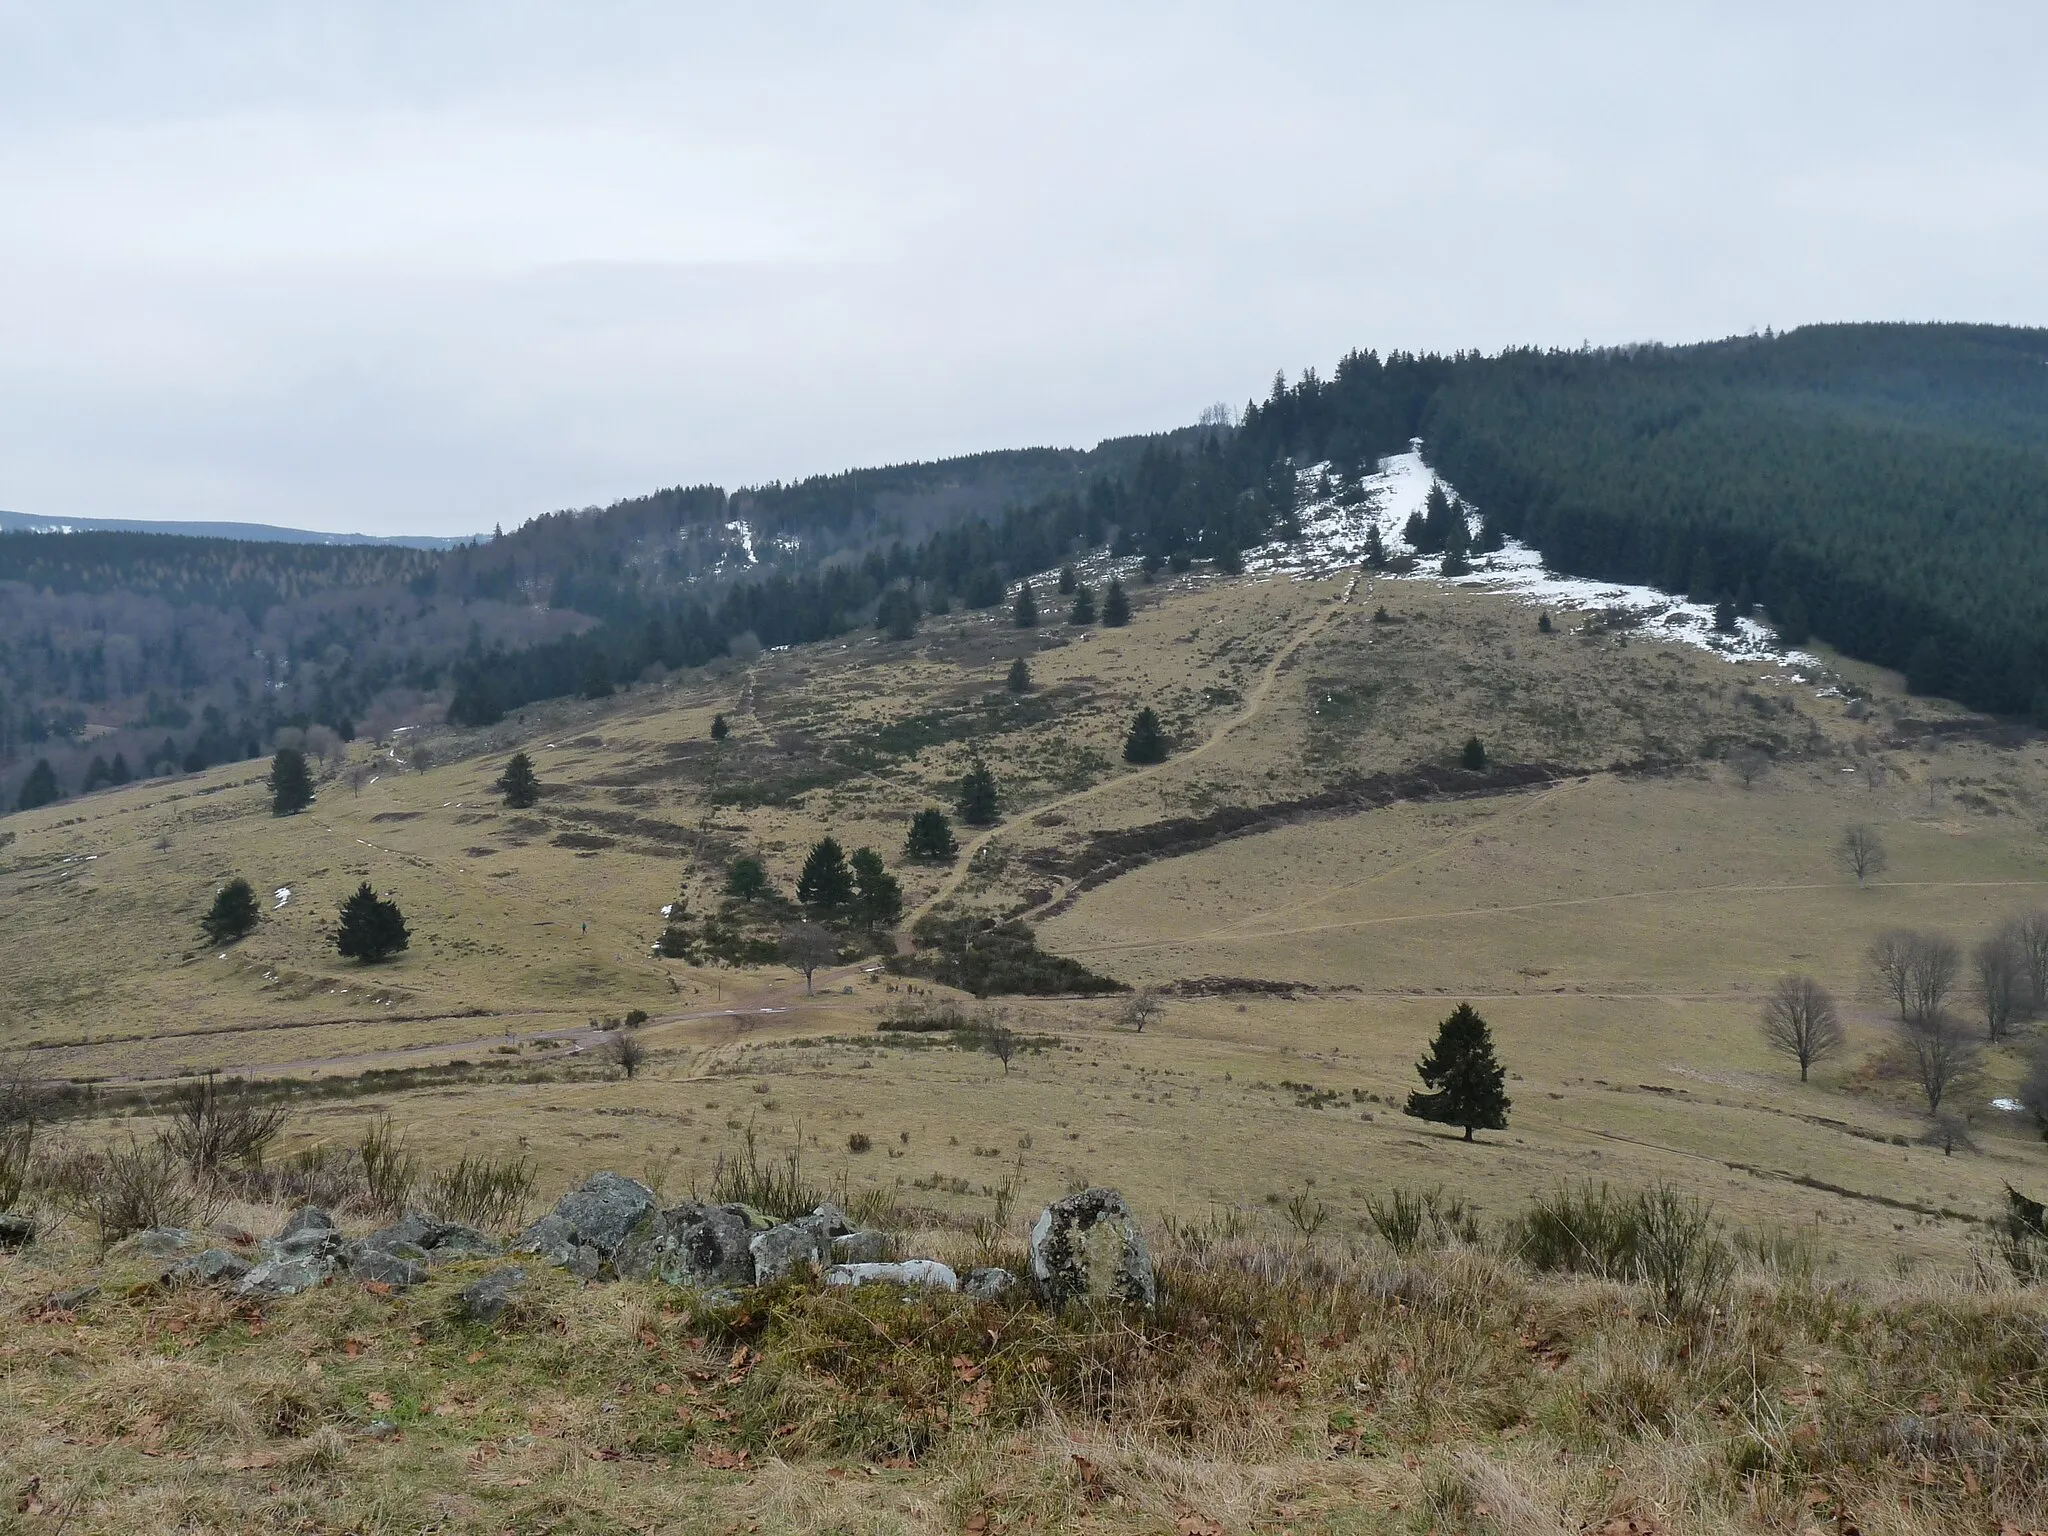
<point>1254,702</point>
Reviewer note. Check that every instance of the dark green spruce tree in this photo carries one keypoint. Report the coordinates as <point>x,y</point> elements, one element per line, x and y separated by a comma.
<point>1019,680</point>
<point>719,729</point>
<point>40,787</point>
<point>372,928</point>
<point>291,786</point>
<point>1025,614</point>
<point>1083,611</point>
<point>1116,608</point>
<point>233,913</point>
<point>931,837</point>
<point>746,879</point>
<point>1474,755</point>
<point>978,798</point>
<point>1146,742</point>
<point>1068,581</point>
<point>826,884</point>
<point>1465,1082</point>
<point>518,784</point>
<point>877,894</point>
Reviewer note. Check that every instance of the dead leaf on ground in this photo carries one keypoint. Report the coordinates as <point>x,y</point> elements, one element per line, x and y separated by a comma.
<point>251,1461</point>
<point>721,1459</point>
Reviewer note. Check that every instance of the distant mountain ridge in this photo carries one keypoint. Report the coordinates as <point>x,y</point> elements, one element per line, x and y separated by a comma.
<point>253,533</point>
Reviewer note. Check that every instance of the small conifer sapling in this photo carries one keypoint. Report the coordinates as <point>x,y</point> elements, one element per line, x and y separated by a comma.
<point>233,913</point>
<point>518,784</point>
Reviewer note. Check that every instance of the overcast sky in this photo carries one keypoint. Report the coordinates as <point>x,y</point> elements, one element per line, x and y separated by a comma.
<point>341,267</point>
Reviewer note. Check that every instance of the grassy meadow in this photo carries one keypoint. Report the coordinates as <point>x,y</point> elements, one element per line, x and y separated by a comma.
<point>1618,920</point>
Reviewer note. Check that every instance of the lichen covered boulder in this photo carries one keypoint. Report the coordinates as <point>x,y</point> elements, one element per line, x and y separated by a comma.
<point>1088,1247</point>
<point>927,1273</point>
<point>690,1244</point>
<point>590,1224</point>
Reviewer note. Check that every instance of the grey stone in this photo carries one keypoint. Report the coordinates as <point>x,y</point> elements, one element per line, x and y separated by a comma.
<point>827,1221</point>
<point>168,1242</point>
<point>211,1266</point>
<point>486,1300</point>
<point>457,1242</point>
<point>415,1228</point>
<point>690,1244</point>
<point>863,1247</point>
<point>307,1218</point>
<point>929,1273</point>
<point>71,1300</point>
<point>17,1230</point>
<point>604,1208</point>
<point>1088,1247</point>
<point>384,1267</point>
<point>287,1273</point>
<point>989,1284</point>
<point>781,1250</point>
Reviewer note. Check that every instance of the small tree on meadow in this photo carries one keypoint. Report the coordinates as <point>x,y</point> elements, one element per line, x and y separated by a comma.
<point>1116,608</point>
<point>826,884</point>
<point>1467,1086</point>
<point>931,837</point>
<point>806,947</point>
<point>1801,1021</point>
<point>1068,581</point>
<point>291,786</point>
<point>234,912</point>
<point>1019,680</point>
<point>1942,1054</point>
<point>518,783</point>
<point>1083,611</point>
<point>1146,742</point>
<point>1862,853</point>
<point>719,729</point>
<point>1025,614</point>
<point>1473,756</point>
<point>372,928</point>
<point>1002,1044</point>
<point>2029,935</point>
<point>1999,981</point>
<point>878,894</point>
<point>897,613</point>
<point>625,1051</point>
<point>979,801</point>
<point>746,879</point>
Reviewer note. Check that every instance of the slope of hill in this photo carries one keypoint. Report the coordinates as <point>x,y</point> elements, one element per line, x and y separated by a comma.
<point>246,533</point>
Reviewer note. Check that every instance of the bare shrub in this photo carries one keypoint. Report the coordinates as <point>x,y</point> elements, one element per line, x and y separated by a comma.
<point>323,1175</point>
<point>1001,1043</point>
<point>806,947</point>
<point>1942,1054</point>
<point>390,1172</point>
<point>483,1191</point>
<point>214,1125</point>
<point>21,1106</point>
<point>1999,982</point>
<point>1407,1220</point>
<point>776,1186</point>
<point>130,1188</point>
<point>1800,1020</point>
<point>1917,970</point>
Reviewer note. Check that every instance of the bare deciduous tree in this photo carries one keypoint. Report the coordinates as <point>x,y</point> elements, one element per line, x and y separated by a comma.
<point>2029,931</point>
<point>1891,958</point>
<point>1801,1021</point>
<point>624,1050</point>
<point>1863,852</point>
<point>1935,964</point>
<point>1002,1044</point>
<point>1943,1055</point>
<point>1999,980</point>
<point>1144,1007</point>
<point>807,947</point>
<point>1749,765</point>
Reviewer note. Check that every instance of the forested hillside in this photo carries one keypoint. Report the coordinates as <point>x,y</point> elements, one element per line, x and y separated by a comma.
<point>1883,487</point>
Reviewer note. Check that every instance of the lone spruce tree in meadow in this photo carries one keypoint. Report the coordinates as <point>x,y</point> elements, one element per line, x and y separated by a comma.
<point>291,786</point>
<point>1116,608</point>
<point>1084,607</point>
<point>518,785</point>
<point>931,837</point>
<point>1464,1079</point>
<point>826,884</point>
<point>1474,755</point>
<point>1146,742</point>
<point>1019,680</point>
<point>372,928</point>
<point>719,729</point>
<point>233,913</point>
<point>978,798</point>
<point>1026,612</point>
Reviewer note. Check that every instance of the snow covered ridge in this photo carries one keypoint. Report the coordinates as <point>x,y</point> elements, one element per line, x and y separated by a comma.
<point>1334,536</point>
